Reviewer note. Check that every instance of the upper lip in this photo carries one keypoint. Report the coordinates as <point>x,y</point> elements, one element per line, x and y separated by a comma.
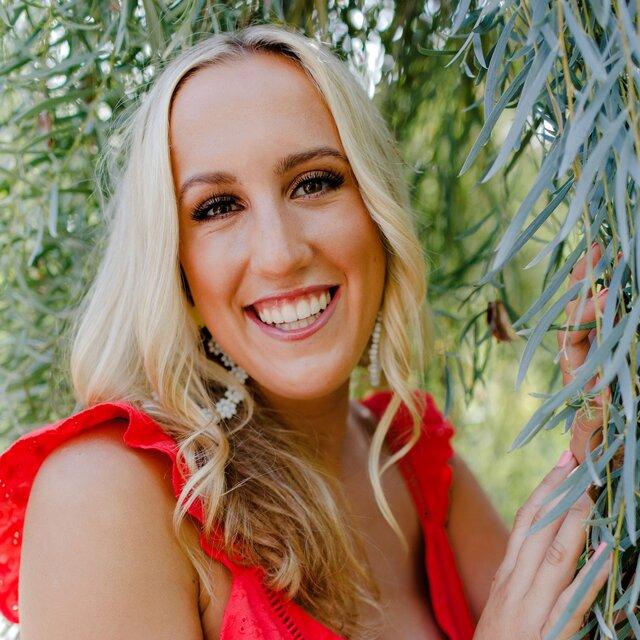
<point>293,293</point>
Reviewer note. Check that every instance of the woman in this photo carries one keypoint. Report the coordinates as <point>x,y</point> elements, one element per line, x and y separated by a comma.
<point>261,241</point>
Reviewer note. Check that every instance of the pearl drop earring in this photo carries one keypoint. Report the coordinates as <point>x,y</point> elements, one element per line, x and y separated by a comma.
<point>227,406</point>
<point>374,360</point>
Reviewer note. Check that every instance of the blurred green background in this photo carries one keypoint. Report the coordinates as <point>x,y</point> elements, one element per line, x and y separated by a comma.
<point>68,70</point>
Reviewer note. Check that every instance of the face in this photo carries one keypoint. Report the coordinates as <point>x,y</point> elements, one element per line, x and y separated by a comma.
<point>285,265</point>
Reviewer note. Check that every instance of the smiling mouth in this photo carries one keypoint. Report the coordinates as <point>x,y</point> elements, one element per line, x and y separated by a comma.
<point>277,317</point>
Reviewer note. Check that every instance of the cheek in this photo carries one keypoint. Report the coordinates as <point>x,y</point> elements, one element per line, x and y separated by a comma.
<point>209,271</point>
<point>360,247</point>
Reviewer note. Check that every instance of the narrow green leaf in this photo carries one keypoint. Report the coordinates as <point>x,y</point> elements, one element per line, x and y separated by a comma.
<point>49,103</point>
<point>37,249</point>
<point>542,182</point>
<point>529,232</point>
<point>632,37</point>
<point>530,92</point>
<point>620,355</point>
<point>122,26</point>
<point>575,490</point>
<point>585,183</point>
<point>620,197</point>
<point>460,14</point>
<point>62,67</point>
<point>604,627</point>
<point>53,210</point>
<point>611,305</point>
<point>154,25</point>
<point>492,118</point>
<point>542,327</point>
<point>496,60</point>
<point>556,281</point>
<point>588,49</point>
<point>477,50</point>
<point>581,126</point>
<point>629,473</point>
<point>582,375</point>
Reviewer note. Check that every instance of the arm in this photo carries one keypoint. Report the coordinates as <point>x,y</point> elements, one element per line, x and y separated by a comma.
<point>477,533</point>
<point>99,557</point>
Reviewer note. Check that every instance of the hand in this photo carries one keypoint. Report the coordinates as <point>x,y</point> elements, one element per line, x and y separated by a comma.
<point>574,346</point>
<point>535,581</point>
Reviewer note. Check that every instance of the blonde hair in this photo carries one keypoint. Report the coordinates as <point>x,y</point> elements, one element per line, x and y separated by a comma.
<point>135,341</point>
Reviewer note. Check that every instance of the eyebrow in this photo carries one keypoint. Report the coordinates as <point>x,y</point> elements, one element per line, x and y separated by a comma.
<point>282,166</point>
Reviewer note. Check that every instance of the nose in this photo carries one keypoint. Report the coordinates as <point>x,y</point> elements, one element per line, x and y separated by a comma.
<point>279,246</point>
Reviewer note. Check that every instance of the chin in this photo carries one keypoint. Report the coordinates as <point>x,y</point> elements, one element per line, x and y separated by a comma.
<point>307,385</point>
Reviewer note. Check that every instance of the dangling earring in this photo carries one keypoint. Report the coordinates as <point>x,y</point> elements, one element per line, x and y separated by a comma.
<point>374,361</point>
<point>227,405</point>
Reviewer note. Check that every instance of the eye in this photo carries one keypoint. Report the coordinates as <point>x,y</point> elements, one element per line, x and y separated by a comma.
<point>310,182</point>
<point>222,206</point>
<point>217,208</point>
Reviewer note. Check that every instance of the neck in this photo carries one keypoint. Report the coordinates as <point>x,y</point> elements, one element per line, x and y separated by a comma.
<point>325,420</point>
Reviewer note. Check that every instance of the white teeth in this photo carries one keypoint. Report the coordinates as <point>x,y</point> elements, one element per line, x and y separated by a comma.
<point>289,313</point>
<point>298,324</point>
<point>305,308</point>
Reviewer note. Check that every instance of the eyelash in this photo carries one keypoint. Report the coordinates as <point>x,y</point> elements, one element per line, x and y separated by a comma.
<point>335,179</point>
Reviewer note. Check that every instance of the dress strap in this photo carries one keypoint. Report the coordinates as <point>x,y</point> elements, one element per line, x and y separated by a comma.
<point>428,474</point>
<point>426,465</point>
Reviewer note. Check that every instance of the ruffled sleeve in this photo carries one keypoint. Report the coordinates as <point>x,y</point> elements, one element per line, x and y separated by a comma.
<point>21,461</point>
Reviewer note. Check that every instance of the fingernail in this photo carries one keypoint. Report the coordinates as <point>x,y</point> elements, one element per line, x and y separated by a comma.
<point>564,458</point>
<point>603,291</point>
<point>601,547</point>
<point>594,244</point>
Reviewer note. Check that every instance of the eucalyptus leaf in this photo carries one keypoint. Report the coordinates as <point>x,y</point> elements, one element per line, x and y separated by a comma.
<point>587,47</point>
<point>532,86</point>
<point>584,184</point>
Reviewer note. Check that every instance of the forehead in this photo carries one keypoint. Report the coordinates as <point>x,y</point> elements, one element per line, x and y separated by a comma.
<point>260,104</point>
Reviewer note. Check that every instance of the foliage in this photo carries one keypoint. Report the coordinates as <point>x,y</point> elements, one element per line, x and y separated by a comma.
<point>569,71</point>
<point>70,70</point>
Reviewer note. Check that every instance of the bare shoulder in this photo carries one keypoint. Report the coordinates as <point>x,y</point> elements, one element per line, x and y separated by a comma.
<point>477,532</point>
<point>99,555</point>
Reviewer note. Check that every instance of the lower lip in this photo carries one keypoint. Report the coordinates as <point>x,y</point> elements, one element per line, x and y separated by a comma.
<point>304,332</point>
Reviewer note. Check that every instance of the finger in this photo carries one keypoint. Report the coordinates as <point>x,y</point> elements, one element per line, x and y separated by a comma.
<point>534,548</point>
<point>527,512</point>
<point>579,270</point>
<point>579,312</point>
<point>558,565</point>
<point>583,442</point>
<point>571,358</point>
<point>575,621</point>
<point>585,430</point>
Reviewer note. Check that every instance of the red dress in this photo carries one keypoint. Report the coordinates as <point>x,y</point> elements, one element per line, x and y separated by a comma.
<point>253,611</point>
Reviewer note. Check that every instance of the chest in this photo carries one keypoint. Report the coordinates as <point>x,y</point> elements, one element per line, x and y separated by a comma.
<point>400,575</point>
